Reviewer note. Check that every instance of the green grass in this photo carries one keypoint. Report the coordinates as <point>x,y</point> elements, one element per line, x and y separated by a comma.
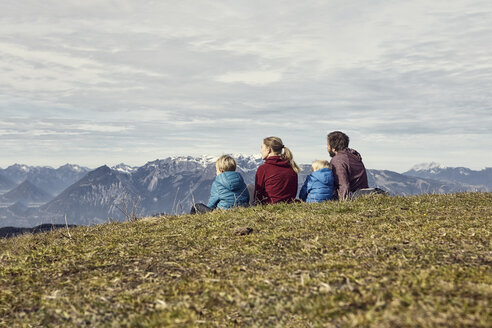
<point>378,261</point>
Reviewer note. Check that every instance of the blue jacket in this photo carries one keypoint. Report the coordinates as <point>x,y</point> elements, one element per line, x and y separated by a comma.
<point>228,190</point>
<point>318,186</point>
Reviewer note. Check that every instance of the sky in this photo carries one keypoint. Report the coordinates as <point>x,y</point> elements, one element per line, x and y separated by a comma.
<point>103,82</point>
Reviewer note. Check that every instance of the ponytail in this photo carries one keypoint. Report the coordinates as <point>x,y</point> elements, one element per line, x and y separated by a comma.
<point>288,156</point>
<point>277,145</point>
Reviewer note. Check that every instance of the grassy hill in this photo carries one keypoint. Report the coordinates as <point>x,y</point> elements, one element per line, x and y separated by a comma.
<point>378,261</point>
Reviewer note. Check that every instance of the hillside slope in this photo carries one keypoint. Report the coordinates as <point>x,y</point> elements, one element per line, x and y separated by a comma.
<point>378,261</point>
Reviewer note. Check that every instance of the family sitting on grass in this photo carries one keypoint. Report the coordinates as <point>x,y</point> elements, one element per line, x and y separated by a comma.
<point>276,179</point>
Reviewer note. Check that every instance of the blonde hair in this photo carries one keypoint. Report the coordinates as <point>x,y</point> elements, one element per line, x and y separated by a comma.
<point>320,164</point>
<point>277,145</point>
<point>226,163</point>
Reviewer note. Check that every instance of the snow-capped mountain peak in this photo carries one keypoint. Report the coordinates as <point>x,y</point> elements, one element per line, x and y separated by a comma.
<point>427,166</point>
<point>20,167</point>
<point>203,160</point>
<point>252,157</point>
<point>73,167</point>
<point>206,160</point>
<point>124,168</point>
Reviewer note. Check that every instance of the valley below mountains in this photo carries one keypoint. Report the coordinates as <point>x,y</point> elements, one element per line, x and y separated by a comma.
<point>30,196</point>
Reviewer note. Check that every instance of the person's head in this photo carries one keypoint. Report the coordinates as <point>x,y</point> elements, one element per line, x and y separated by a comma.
<point>225,163</point>
<point>320,164</point>
<point>273,146</point>
<point>336,141</point>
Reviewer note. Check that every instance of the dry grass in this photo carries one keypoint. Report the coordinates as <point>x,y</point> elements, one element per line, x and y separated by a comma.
<point>378,261</point>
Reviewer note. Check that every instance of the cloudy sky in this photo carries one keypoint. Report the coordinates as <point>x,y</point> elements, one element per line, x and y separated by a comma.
<point>103,82</point>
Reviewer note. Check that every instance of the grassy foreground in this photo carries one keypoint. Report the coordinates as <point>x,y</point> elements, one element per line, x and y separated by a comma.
<point>379,261</point>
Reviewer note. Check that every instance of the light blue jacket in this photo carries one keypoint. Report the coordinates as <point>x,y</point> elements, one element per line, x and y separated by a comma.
<point>228,190</point>
<point>318,186</point>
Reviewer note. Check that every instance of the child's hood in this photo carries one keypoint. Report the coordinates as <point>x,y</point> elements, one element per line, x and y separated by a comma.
<point>324,175</point>
<point>231,180</point>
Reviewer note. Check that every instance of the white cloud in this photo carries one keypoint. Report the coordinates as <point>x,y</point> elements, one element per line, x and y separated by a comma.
<point>99,128</point>
<point>257,78</point>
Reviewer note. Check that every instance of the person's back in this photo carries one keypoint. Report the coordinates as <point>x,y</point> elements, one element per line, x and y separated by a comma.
<point>319,185</point>
<point>275,181</point>
<point>348,169</point>
<point>228,190</point>
<point>350,172</point>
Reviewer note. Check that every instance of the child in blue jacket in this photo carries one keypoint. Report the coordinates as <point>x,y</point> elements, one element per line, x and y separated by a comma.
<point>319,185</point>
<point>228,189</point>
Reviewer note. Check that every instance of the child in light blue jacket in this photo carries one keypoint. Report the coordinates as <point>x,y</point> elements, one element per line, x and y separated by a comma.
<point>319,185</point>
<point>228,189</point>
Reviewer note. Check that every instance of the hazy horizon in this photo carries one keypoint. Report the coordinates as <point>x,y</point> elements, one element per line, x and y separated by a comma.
<point>111,164</point>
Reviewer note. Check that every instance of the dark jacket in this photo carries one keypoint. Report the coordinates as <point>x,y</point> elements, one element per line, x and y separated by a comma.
<point>318,186</point>
<point>228,190</point>
<point>349,172</point>
<point>275,181</point>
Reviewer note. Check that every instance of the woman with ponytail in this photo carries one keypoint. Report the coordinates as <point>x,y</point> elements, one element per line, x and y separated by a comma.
<point>276,179</point>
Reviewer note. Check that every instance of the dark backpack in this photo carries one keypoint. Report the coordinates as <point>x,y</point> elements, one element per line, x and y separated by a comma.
<point>368,191</point>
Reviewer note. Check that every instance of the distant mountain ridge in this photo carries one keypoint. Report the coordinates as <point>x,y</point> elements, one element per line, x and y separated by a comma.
<point>51,180</point>
<point>463,175</point>
<point>172,184</point>
<point>401,184</point>
<point>26,193</point>
<point>92,199</point>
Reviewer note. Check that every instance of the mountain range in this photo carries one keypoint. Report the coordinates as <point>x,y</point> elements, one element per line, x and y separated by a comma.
<point>460,175</point>
<point>40,195</point>
<point>50,180</point>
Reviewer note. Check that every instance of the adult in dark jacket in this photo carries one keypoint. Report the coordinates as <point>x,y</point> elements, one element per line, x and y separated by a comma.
<point>319,185</point>
<point>276,179</point>
<point>348,169</point>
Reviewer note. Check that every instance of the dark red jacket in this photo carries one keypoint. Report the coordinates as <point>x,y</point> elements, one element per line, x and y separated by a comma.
<point>349,172</point>
<point>275,181</point>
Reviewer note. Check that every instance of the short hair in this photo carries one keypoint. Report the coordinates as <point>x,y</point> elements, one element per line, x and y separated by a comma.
<point>226,163</point>
<point>320,164</point>
<point>338,140</point>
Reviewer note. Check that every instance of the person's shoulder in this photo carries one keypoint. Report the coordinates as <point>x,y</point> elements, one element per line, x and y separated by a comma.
<point>224,178</point>
<point>353,154</point>
<point>336,159</point>
<point>325,171</point>
<point>233,175</point>
<point>263,166</point>
<point>239,176</point>
<point>313,175</point>
<point>340,157</point>
<point>218,181</point>
<point>325,174</point>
